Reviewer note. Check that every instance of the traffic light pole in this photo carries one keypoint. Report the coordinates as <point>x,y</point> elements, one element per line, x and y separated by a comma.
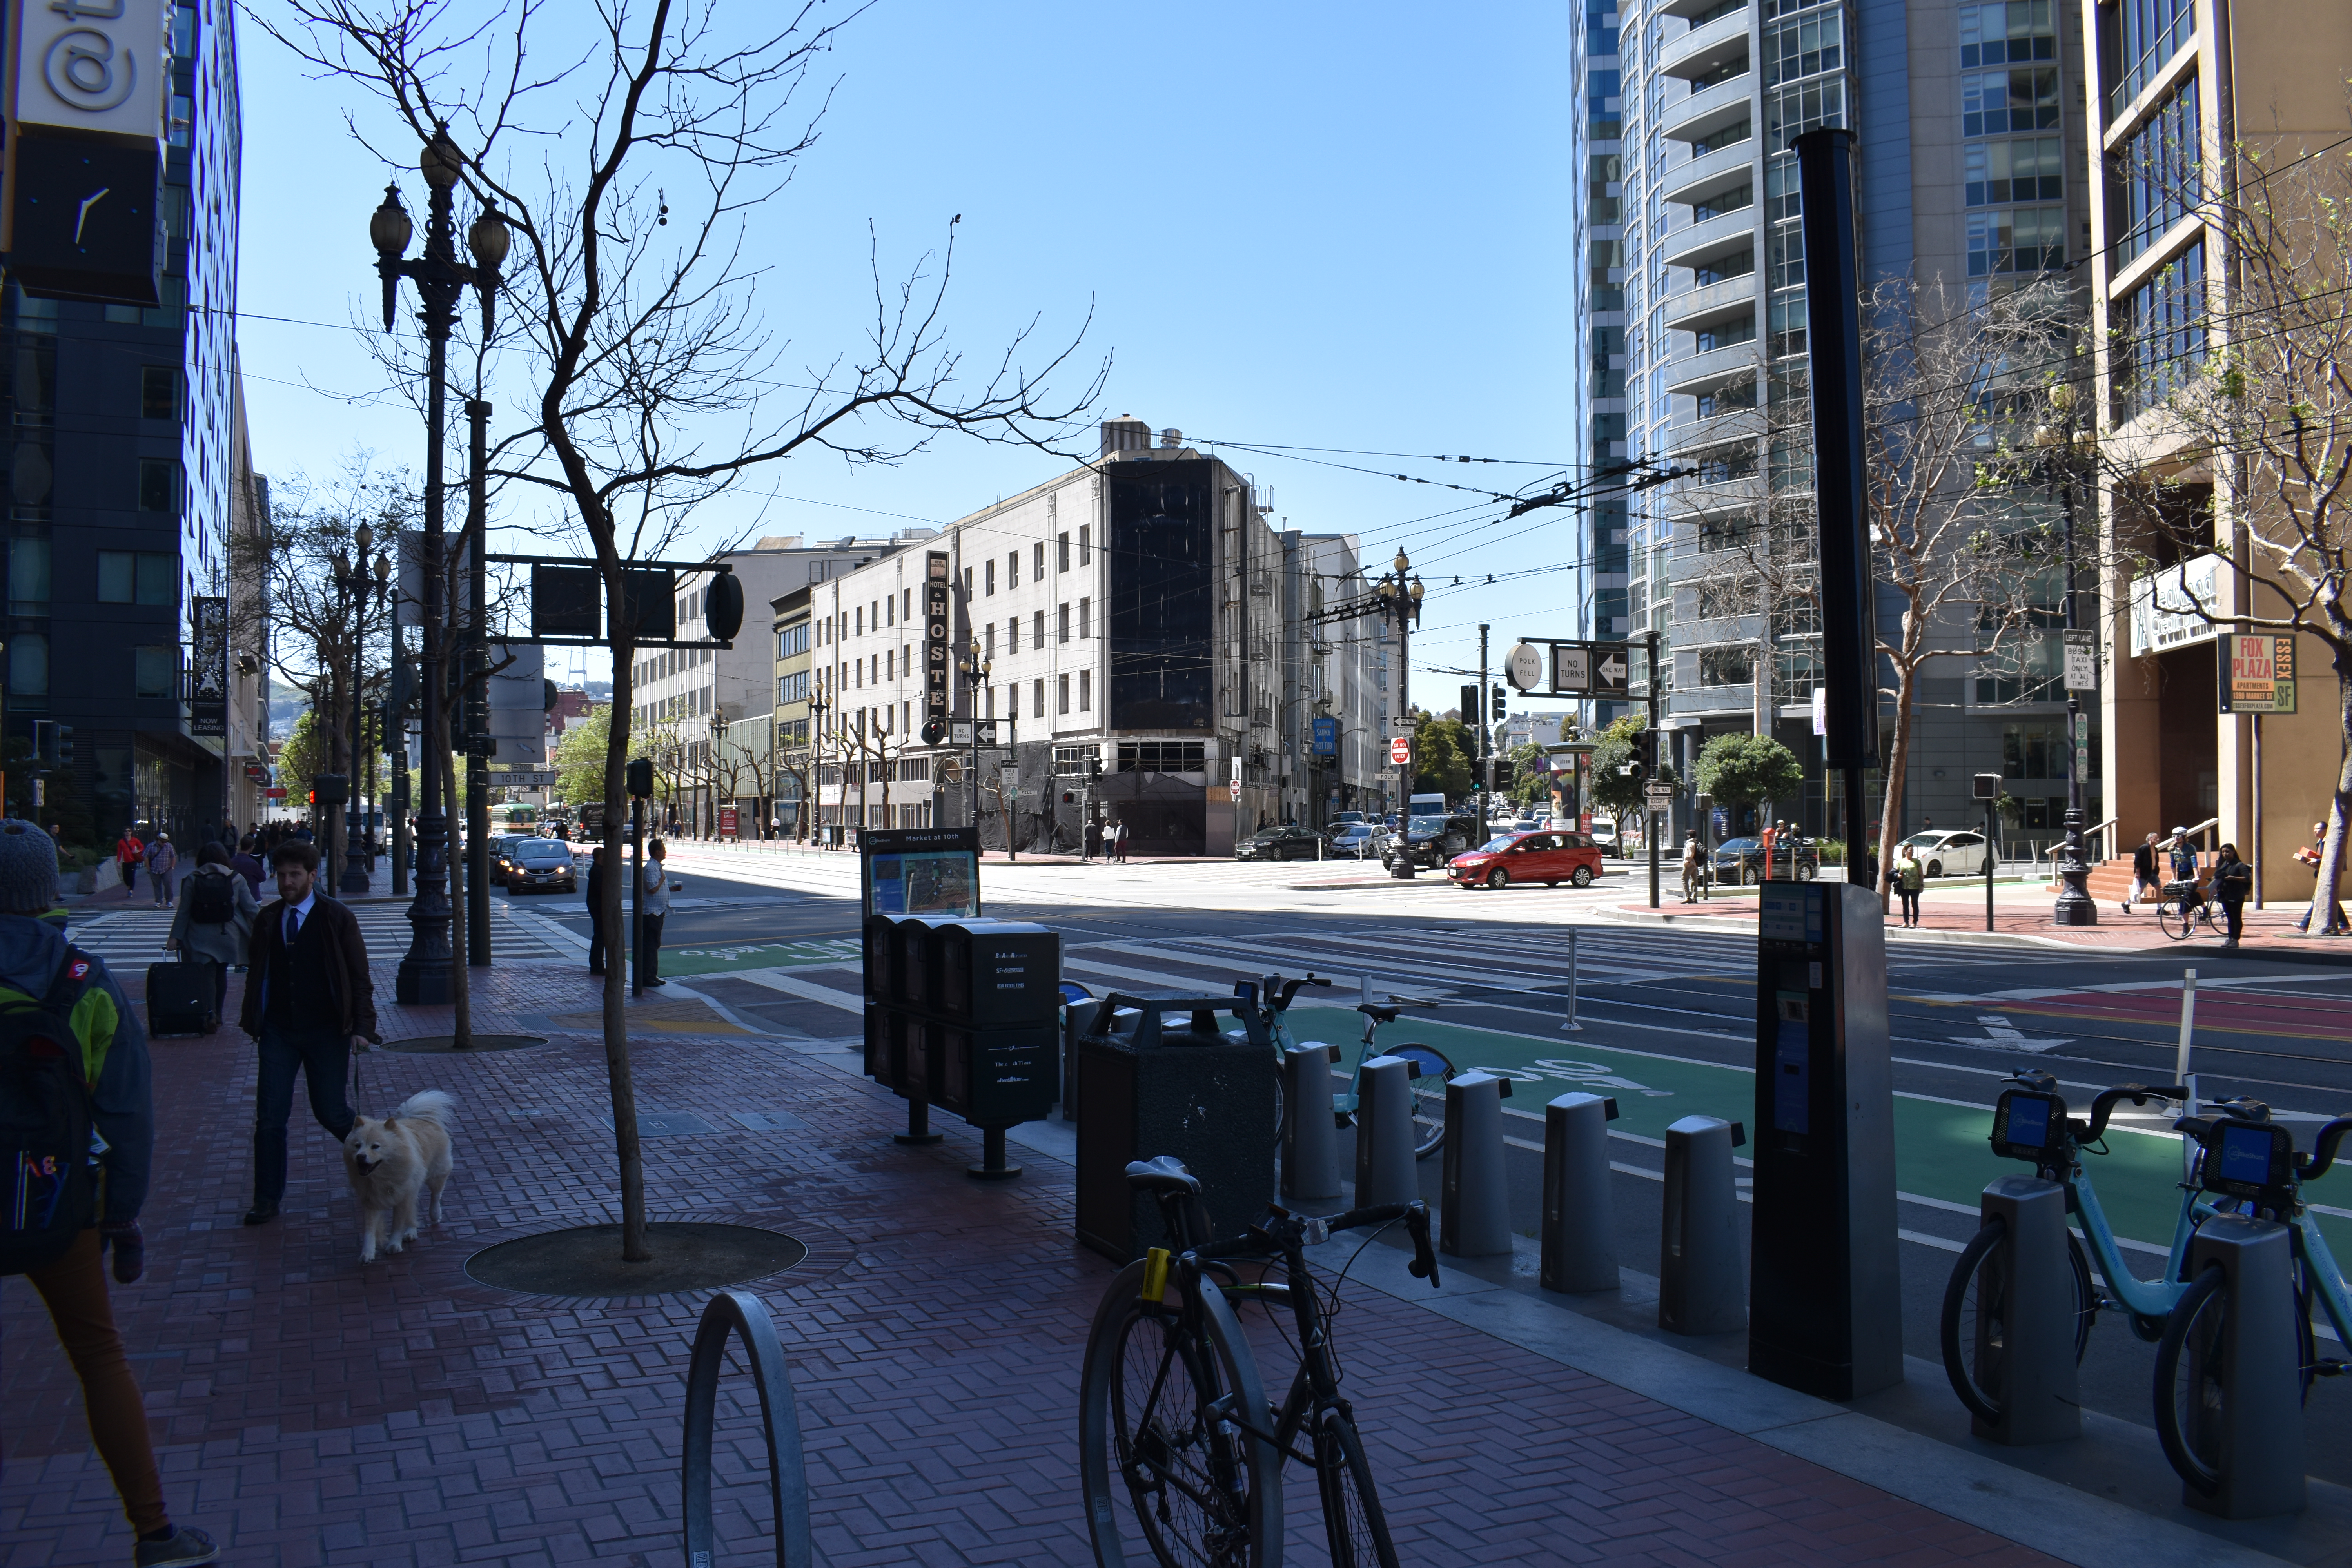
<point>1485,739</point>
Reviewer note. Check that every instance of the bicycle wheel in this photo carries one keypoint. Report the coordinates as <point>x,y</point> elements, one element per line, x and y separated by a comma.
<point>1972,1315</point>
<point>1428,1097</point>
<point>2189,1388</point>
<point>1200,1492</point>
<point>1352,1520</point>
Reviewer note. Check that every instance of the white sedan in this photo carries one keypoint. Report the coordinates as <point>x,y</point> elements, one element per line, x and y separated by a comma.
<point>1949,854</point>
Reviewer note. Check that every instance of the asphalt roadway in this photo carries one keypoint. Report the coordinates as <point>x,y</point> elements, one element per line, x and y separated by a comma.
<point>1667,1027</point>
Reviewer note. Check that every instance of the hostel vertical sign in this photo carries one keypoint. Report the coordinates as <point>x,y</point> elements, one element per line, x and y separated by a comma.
<point>937,620</point>
<point>208,674</point>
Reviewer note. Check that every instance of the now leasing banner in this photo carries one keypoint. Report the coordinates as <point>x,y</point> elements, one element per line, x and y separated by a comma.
<point>2257,674</point>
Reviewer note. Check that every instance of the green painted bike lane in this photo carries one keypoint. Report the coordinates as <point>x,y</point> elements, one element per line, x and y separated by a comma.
<point>720,957</point>
<point>1940,1148</point>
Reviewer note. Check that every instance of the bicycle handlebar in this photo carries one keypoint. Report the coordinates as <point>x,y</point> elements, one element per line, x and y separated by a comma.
<point>2107,1100</point>
<point>1290,989</point>
<point>2324,1146</point>
<point>1284,1230</point>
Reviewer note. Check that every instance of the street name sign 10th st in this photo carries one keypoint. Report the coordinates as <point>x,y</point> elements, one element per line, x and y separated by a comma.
<point>1602,669</point>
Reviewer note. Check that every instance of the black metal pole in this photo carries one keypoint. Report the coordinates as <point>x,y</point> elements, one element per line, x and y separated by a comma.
<point>1990,807</point>
<point>355,877</point>
<point>2075,905</point>
<point>1649,814</point>
<point>1402,870</point>
<point>1833,333</point>
<point>478,701</point>
<point>424,970</point>
<point>637,895</point>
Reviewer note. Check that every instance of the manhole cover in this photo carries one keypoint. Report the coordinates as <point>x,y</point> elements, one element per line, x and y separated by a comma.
<point>480,1043</point>
<point>586,1260</point>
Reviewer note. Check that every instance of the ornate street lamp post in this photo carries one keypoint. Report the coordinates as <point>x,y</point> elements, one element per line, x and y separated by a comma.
<point>440,278</point>
<point>353,588</point>
<point>975,676</point>
<point>1402,598</point>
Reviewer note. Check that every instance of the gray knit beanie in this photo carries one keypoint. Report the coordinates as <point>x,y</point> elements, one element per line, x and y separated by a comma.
<point>28,869</point>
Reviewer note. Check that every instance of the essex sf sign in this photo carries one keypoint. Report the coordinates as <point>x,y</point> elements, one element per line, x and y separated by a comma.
<point>89,84</point>
<point>2257,673</point>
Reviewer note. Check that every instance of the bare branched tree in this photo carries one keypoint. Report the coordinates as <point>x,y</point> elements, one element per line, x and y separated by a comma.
<point>646,375</point>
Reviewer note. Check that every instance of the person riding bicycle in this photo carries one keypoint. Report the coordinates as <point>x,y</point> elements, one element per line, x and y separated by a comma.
<point>2181,856</point>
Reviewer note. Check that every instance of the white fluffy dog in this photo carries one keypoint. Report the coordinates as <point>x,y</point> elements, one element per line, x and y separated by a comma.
<point>394,1161</point>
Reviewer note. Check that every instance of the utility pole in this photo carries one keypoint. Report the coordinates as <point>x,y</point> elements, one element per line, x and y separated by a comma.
<point>1485,738</point>
<point>1649,815</point>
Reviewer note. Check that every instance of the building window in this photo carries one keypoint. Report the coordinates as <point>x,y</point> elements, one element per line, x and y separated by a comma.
<point>28,576</point>
<point>1805,45</point>
<point>988,575</point>
<point>158,484</point>
<point>2153,31</point>
<point>1724,335</point>
<point>1062,697</point>
<point>1733,665</point>
<point>794,688</point>
<point>1086,552</point>
<point>1069,759</point>
<point>2023,239</point>
<point>1062,623</point>
<point>2007,32</point>
<point>28,665</point>
<point>1037,630</point>
<point>1085,619</point>
<point>1039,576</point>
<point>1086,691</point>
<point>1162,756</point>
<point>137,577</point>
<point>2029,170</point>
<point>1037,708</point>
<point>1791,111</point>
<point>1740,263</point>
<point>2162,325</point>
<point>1012,634</point>
<point>155,671</point>
<point>2160,171</point>
<point>988,642</point>
<point>1062,552</point>
<point>159,392</point>
<point>1994,103</point>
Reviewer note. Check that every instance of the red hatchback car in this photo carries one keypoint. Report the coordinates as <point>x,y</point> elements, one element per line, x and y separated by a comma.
<point>1547,857</point>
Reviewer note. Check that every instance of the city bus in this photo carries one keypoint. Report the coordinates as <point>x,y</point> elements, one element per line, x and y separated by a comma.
<point>521,821</point>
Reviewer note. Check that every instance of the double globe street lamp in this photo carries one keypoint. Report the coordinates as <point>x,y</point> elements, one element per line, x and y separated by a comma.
<point>1401,596</point>
<point>441,281</point>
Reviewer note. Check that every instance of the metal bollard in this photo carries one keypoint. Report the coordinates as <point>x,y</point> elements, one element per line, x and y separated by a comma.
<point>1580,1242</point>
<point>1700,1275</point>
<point>1571,1023</point>
<point>2257,1425</point>
<point>2024,1350</point>
<point>1077,1023</point>
<point>1384,1162</point>
<point>1474,1210</point>
<point>1310,1143</point>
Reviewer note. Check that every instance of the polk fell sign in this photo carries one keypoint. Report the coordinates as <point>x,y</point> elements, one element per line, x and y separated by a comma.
<point>2257,673</point>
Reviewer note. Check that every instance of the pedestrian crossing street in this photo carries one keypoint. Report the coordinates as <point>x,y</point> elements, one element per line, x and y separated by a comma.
<point>130,939</point>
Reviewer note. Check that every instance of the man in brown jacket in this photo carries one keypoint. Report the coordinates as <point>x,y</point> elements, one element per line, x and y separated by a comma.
<point>309,1003</point>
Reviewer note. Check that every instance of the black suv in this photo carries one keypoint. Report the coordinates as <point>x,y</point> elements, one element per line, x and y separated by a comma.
<point>1282,844</point>
<point>1432,841</point>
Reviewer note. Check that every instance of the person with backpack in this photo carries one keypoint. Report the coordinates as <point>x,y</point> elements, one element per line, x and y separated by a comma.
<point>163,861</point>
<point>82,1121</point>
<point>246,864</point>
<point>127,852</point>
<point>215,918</point>
<point>308,1003</point>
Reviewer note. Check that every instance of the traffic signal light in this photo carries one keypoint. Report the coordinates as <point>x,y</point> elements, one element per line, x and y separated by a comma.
<point>1069,798</point>
<point>640,772</point>
<point>1094,767</point>
<point>330,789</point>
<point>1496,707</point>
<point>1469,709</point>
<point>934,731</point>
<point>1646,745</point>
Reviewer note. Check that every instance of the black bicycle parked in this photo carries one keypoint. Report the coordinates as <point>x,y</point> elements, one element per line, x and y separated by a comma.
<point>1175,1428</point>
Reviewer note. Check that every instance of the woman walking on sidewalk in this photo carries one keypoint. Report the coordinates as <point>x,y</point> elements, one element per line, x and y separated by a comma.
<point>1908,880</point>
<point>215,918</point>
<point>127,852</point>
<point>113,1085</point>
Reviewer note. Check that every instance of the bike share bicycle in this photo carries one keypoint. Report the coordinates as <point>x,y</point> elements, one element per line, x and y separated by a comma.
<point>2246,1157</point>
<point>1273,997</point>
<point>1174,1419</point>
<point>2030,1122</point>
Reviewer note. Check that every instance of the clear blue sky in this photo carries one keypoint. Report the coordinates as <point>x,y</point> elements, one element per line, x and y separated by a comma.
<point>1309,225</point>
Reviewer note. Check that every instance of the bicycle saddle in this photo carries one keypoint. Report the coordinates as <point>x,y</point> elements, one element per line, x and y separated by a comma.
<point>1378,1015</point>
<point>1165,1175</point>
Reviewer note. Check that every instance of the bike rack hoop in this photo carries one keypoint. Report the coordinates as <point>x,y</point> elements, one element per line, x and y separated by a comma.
<point>738,1312</point>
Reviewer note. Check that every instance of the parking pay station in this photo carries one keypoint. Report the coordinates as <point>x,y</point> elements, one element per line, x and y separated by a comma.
<point>1823,1299</point>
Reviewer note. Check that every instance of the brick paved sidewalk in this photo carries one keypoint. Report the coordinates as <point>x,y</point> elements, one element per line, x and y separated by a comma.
<point>311,1411</point>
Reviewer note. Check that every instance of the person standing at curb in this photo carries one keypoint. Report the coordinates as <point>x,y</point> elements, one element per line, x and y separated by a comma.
<point>2233,884</point>
<point>2144,884</point>
<point>127,852</point>
<point>594,881</point>
<point>215,916</point>
<point>1909,878</point>
<point>656,909</point>
<point>113,1079</point>
<point>163,861</point>
<point>309,1003</point>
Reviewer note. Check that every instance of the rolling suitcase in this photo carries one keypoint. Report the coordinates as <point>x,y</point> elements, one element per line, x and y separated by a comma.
<point>179,998</point>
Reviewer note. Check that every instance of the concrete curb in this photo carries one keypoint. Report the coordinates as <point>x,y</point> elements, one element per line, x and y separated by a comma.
<point>1928,938</point>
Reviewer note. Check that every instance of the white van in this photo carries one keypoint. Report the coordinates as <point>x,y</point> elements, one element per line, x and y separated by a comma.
<point>1604,834</point>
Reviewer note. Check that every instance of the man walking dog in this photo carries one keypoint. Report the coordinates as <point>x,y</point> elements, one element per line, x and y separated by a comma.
<point>309,1003</point>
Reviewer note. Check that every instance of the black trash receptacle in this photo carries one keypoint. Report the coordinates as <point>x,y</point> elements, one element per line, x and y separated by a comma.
<point>1170,1083</point>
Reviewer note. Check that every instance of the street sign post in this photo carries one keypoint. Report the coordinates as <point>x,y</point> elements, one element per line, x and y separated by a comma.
<point>1599,670</point>
<point>1008,779</point>
<point>2082,661</point>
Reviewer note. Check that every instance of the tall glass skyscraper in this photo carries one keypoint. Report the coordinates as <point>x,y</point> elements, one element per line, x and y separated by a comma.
<point>1971,135</point>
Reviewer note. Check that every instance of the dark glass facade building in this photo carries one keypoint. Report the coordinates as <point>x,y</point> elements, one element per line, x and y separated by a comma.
<point>126,473</point>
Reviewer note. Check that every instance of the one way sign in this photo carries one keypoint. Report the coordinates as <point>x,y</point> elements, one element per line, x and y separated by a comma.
<point>1589,669</point>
